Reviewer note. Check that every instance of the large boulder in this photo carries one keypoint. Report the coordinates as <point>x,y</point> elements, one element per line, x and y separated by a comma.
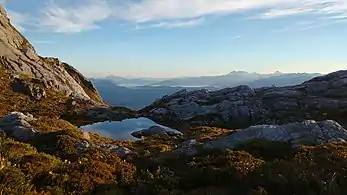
<point>155,130</point>
<point>17,125</point>
<point>300,133</point>
<point>322,98</point>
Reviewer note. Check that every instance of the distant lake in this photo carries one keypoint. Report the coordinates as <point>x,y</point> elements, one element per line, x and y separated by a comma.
<point>121,130</point>
<point>141,86</point>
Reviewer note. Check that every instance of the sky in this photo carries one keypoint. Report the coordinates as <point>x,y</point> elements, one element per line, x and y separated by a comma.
<point>171,38</point>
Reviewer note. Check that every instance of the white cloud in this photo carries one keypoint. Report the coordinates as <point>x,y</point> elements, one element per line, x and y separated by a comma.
<point>73,19</point>
<point>316,7</point>
<point>173,24</point>
<point>177,24</point>
<point>308,25</point>
<point>82,15</point>
<point>153,10</point>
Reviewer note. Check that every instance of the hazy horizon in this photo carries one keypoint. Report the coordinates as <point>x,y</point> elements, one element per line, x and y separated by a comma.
<point>103,75</point>
<point>180,38</point>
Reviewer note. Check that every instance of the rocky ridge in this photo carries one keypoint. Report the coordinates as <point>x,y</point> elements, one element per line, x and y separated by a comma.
<point>322,98</point>
<point>19,58</point>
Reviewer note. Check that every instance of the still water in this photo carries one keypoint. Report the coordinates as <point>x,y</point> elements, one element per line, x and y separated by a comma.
<point>121,130</point>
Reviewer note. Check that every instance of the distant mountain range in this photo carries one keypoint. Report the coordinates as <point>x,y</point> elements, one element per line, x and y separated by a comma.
<point>137,93</point>
<point>135,97</point>
<point>122,81</point>
<point>232,79</point>
<point>236,78</point>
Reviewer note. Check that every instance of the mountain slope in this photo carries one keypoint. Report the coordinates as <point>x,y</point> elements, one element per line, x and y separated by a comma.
<point>283,80</point>
<point>19,58</point>
<point>131,81</point>
<point>133,97</point>
<point>41,86</point>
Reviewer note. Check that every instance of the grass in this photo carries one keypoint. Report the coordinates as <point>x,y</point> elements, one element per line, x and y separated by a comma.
<point>49,109</point>
<point>10,101</point>
<point>50,164</point>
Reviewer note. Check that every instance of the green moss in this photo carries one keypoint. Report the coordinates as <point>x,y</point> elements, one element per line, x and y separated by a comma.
<point>204,133</point>
<point>60,143</point>
<point>13,151</point>
<point>13,181</point>
<point>51,106</point>
<point>48,124</point>
<point>267,150</point>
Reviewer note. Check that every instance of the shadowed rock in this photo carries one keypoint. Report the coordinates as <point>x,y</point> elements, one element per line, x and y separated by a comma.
<point>30,89</point>
<point>155,130</point>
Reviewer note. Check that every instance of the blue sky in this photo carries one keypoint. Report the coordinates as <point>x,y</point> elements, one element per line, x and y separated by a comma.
<point>168,38</point>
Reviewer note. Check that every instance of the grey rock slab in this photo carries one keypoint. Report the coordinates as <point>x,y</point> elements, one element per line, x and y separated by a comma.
<point>321,98</point>
<point>155,130</point>
<point>17,125</point>
<point>300,133</point>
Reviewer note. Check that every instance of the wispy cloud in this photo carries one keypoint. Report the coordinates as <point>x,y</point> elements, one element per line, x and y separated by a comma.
<point>172,24</point>
<point>152,10</point>
<point>18,20</point>
<point>73,19</point>
<point>314,7</point>
<point>3,2</point>
<point>237,37</point>
<point>85,15</point>
<point>43,42</point>
<point>308,25</point>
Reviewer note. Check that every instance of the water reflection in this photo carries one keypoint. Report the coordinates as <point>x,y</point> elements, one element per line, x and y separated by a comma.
<point>121,130</point>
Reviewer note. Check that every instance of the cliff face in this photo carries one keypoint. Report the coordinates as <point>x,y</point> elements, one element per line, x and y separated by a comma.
<point>322,98</point>
<point>19,59</point>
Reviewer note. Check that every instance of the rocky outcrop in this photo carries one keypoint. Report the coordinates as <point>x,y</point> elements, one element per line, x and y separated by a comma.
<point>321,98</point>
<point>18,57</point>
<point>299,133</point>
<point>155,130</point>
<point>17,125</point>
<point>34,91</point>
<point>187,148</point>
<point>86,84</point>
<point>98,114</point>
<point>121,151</point>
